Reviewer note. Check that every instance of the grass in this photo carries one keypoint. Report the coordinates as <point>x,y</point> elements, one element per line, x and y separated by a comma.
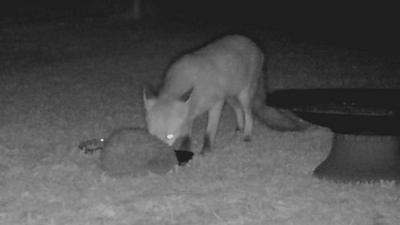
<point>62,83</point>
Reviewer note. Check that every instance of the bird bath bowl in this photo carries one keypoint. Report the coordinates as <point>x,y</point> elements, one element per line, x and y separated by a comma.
<point>365,122</point>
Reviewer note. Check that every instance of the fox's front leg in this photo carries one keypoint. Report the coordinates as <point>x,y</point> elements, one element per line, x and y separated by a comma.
<point>214,114</point>
<point>184,143</point>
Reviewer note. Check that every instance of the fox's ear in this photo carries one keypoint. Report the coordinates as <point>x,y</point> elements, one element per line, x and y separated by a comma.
<point>186,96</point>
<point>149,97</point>
<point>149,91</point>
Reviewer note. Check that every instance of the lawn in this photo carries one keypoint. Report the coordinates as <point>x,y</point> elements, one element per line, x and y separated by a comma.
<point>65,82</point>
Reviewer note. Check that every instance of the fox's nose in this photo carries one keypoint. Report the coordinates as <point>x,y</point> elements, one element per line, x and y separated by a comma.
<point>170,139</point>
<point>170,142</point>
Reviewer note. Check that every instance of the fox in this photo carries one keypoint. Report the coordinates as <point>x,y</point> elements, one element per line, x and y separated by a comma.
<point>226,70</point>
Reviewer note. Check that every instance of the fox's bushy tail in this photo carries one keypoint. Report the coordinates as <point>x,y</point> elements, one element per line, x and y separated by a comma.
<point>277,119</point>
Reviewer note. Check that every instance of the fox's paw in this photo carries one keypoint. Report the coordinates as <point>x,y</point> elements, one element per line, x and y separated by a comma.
<point>91,146</point>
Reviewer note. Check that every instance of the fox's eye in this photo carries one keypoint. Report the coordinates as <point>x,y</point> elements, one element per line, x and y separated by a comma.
<point>170,136</point>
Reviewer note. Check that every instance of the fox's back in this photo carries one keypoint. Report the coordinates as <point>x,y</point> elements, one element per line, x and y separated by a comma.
<point>218,70</point>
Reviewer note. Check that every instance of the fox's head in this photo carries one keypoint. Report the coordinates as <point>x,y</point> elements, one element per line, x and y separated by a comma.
<point>167,117</point>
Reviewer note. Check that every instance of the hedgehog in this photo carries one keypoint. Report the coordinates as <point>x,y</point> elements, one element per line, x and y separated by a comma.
<point>133,151</point>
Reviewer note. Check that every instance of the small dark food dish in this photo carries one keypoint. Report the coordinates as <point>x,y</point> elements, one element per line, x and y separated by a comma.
<point>183,156</point>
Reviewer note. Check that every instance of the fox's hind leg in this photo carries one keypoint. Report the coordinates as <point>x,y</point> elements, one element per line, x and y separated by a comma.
<point>234,103</point>
<point>214,115</point>
<point>245,101</point>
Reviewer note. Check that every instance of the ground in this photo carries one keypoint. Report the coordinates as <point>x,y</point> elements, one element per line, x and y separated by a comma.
<point>65,82</point>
